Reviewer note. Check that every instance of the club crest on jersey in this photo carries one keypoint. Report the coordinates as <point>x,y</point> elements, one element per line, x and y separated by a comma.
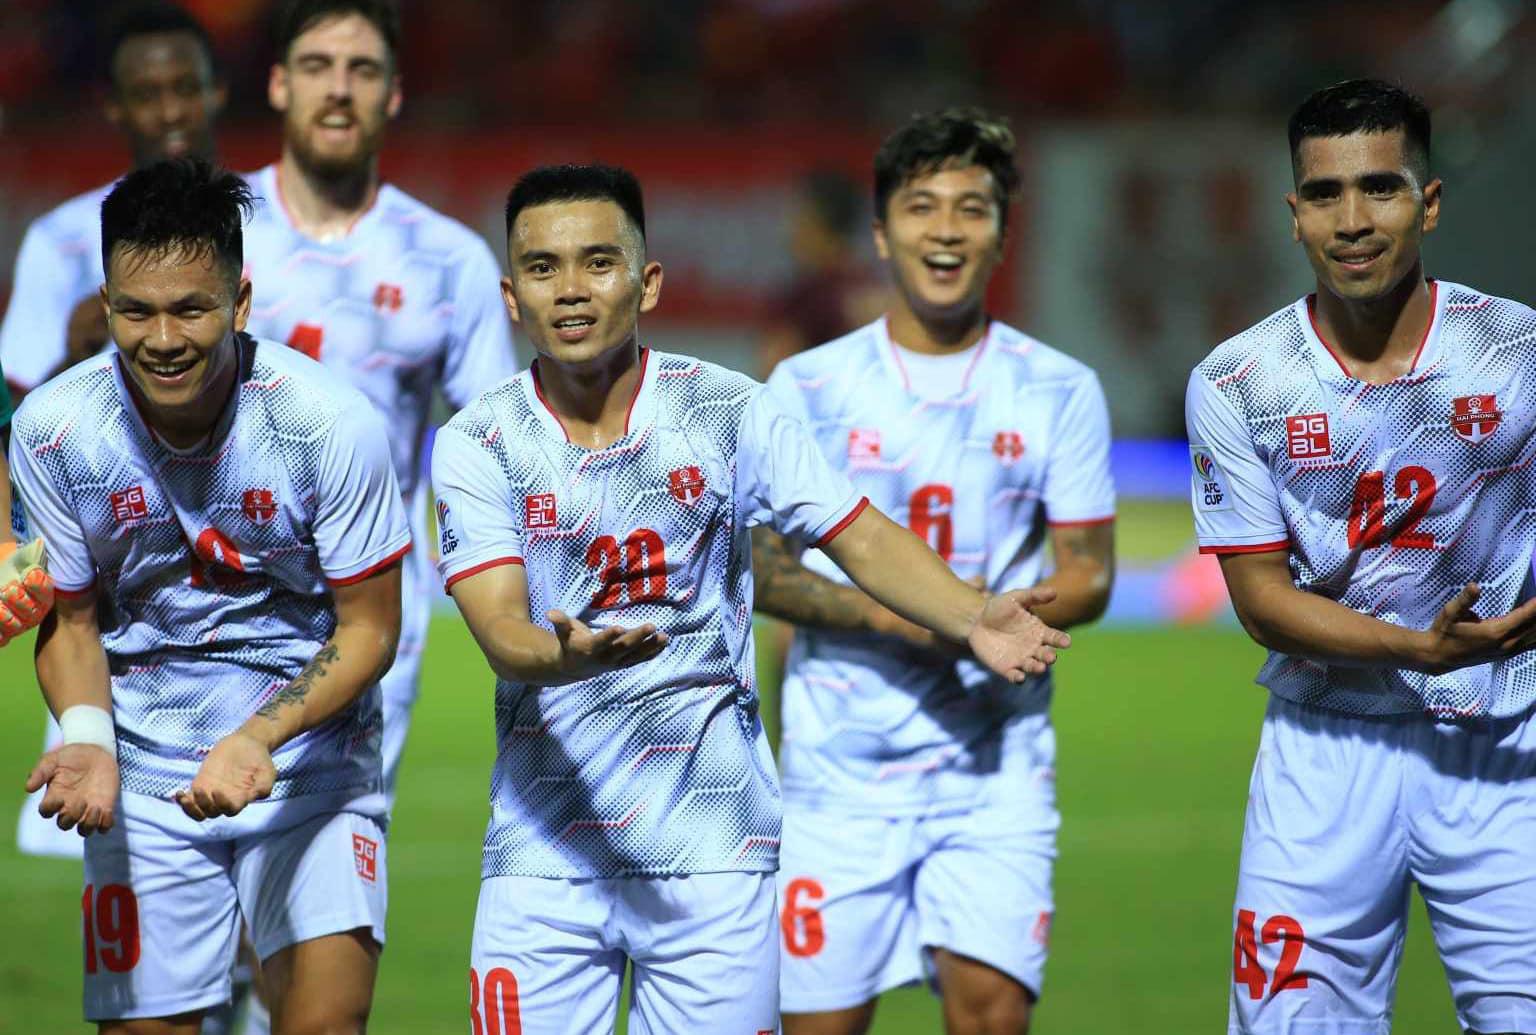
<point>539,511</point>
<point>1475,417</point>
<point>1306,437</point>
<point>447,541</point>
<point>388,297</point>
<point>686,484</point>
<point>129,505</point>
<point>365,853</point>
<point>259,505</point>
<point>1008,447</point>
<point>863,444</point>
<point>1210,485</point>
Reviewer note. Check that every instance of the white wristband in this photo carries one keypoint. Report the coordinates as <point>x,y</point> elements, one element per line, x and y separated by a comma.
<point>88,724</point>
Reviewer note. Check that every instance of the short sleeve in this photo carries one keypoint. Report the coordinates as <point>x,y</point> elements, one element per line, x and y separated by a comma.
<point>784,481</point>
<point>476,525</point>
<point>480,351</point>
<point>1079,488</point>
<point>42,511</point>
<point>360,521</point>
<point>33,334</point>
<point>1232,491</point>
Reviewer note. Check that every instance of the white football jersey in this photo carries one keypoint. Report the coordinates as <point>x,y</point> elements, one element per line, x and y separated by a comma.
<point>979,472</point>
<point>407,301</point>
<point>59,265</point>
<point>213,565</point>
<point>1388,497</point>
<point>661,768</point>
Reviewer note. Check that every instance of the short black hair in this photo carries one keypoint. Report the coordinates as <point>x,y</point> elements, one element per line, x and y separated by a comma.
<point>151,18</point>
<point>953,137</point>
<point>175,206</point>
<point>295,17</point>
<point>554,183</point>
<point>1363,106</point>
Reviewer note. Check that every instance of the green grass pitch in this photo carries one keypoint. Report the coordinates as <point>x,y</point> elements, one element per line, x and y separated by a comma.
<point>1157,730</point>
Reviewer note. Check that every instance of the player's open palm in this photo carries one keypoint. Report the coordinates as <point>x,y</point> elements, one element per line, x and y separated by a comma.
<point>237,771</point>
<point>585,653</point>
<point>1011,640</point>
<point>82,784</point>
<point>1458,637</point>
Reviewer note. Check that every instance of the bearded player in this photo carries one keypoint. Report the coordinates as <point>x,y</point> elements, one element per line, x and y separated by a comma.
<point>395,298</point>
<point>594,515</point>
<point>1363,470</point>
<point>913,779</point>
<point>163,96</point>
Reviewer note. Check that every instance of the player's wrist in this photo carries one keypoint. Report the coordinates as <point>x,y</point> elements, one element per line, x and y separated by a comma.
<point>89,724</point>
<point>269,734</point>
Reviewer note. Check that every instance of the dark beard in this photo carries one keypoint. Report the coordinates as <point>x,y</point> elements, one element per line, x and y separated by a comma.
<point>340,176</point>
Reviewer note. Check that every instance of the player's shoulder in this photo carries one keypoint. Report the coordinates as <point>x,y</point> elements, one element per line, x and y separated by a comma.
<point>1274,341</point>
<point>302,394</point>
<point>430,230</point>
<point>1036,361</point>
<point>78,219</point>
<point>688,381</point>
<point>505,401</point>
<point>77,397</point>
<point>847,351</point>
<point>1486,320</point>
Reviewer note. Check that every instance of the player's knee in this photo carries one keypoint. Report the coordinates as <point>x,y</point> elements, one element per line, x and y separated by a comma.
<point>1005,1011</point>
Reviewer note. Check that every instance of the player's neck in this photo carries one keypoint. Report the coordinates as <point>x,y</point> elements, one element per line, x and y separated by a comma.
<point>592,400</point>
<point>1377,340</point>
<point>325,207</point>
<point>935,334</point>
<point>192,426</point>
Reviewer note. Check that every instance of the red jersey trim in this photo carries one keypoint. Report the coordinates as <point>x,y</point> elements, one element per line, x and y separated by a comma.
<point>645,358</point>
<point>372,569</point>
<point>459,576</point>
<point>75,594</point>
<point>1082,523</point>
<point>1283,544</point>
<point>1434,302</point>
<point>837,529</point>
<point>538,390</point>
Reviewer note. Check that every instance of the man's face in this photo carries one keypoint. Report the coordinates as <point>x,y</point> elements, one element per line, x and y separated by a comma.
<point>1361,212</point>
<point>164,96</point>
<point>579,279</point>
<point>173,318</point>
<point>941,234</point>
<point>336,89</point>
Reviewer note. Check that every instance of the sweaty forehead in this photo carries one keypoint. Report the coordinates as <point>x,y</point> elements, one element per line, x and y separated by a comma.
<point>350,34</point>
<point>1353,155</point>
<point>159,54</point>
<point>179,269</point>
<point>571,226</point>
<point>953,179</point>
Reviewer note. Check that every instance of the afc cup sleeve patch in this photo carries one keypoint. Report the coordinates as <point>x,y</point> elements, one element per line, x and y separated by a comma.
<point>1210,484</point>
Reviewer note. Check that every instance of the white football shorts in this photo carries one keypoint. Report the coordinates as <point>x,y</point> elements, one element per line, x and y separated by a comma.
<point>863,897</point>
<point>162,906</point>
<point>1345,814</point>
<point>548,955</point>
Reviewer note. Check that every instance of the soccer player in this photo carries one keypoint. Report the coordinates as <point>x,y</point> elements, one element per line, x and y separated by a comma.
<point>225,531</point>
<point>913,779</point>
<point>164,95</point>
<point>395,298</point>
<point>594,514</point>
<point>1362,469</point>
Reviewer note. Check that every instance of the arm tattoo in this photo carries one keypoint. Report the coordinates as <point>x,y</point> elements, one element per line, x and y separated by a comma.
<point>787,589</point>
<point>296,691</point>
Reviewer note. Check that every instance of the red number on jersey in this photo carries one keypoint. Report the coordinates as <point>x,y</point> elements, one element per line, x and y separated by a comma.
<point>215,557</point>
<point>1246,969</point>
<point>642,571</point>
<point>930,516</point>
<point>801,924</point>
<point>110,917</point>
<point>1368,509</point>
<point>307,338</point>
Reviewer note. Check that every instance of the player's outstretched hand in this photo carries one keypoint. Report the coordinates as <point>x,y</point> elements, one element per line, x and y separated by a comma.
<point>888,623</point>
<point>584,653</point>
<point>1011,640</point>
<point>237,771</point>
<point>82,787</point>
<point>1459,638</point>
<point>26,590</point>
